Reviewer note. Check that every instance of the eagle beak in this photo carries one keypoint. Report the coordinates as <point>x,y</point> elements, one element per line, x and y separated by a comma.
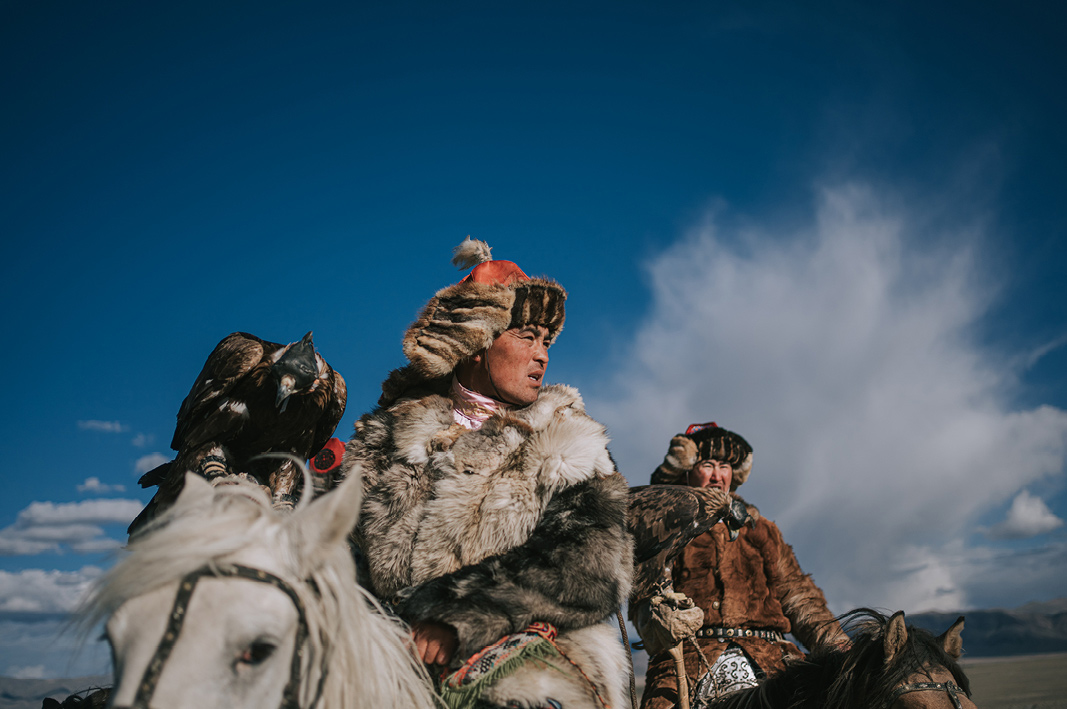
<point>285,388</point>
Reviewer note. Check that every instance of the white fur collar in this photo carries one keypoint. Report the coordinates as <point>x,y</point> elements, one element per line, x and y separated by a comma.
<point>564,445</point>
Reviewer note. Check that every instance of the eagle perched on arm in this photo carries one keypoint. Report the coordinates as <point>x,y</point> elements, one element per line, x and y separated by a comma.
<point>663,519</point>
<point>251,397</point>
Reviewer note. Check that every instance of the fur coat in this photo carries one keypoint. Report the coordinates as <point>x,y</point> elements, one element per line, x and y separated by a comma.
<point>752,582</point>
<point>487,531</point>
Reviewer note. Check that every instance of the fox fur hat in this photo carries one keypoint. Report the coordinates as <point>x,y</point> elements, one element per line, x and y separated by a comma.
<point>464,319</point>
<point>704,441</point>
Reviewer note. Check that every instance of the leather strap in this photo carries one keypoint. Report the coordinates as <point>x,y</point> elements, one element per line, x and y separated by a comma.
<point>952,688</point>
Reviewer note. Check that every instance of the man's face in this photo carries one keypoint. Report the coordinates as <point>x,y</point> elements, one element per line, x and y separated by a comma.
<point>513,368</point>
<point>712,473</point>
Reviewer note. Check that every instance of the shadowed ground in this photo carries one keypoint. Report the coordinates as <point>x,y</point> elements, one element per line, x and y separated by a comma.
<point>1023,682</point>
<point>1026,682</point>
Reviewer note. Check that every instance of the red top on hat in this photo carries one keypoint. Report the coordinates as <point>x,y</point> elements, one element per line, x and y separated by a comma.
<point>496,272</point>
<point>693,428</point>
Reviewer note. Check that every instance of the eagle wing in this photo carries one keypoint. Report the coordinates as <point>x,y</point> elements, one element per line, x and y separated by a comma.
<point>333,409</point>
<point>663,519</point>
<point>232,360</point>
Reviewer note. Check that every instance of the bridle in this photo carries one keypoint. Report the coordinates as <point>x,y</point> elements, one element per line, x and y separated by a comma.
<point>290,699</point>
<point>953,689</point>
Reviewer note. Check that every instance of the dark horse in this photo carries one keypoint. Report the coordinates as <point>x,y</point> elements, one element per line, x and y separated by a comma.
<point>888,665</point>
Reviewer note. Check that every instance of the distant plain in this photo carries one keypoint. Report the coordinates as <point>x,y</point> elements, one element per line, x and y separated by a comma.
<point>1021,682</point>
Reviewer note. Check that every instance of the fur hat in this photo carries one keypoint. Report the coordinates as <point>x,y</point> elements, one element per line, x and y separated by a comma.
<point>704,441</point>
<point>464,319</point>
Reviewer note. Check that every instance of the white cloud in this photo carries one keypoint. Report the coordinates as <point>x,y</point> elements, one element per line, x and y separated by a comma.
<point>104,426</point>
<point>141,440</point>
<point>86,511</point>
<point>36,632</point>
<point>30,672</point>
<point>1032,358</point>
<point>74,526</point>
<point>1003,577</point>
<point>93,484</point>
<point>95,544</point>
<point>1028,516</point>
<point>844,352</point>
<point>44,591</point>
<point>53,644</point>
<point>150,461</point>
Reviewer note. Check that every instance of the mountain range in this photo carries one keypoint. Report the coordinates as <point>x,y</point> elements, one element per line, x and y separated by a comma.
<point>1032,628</point>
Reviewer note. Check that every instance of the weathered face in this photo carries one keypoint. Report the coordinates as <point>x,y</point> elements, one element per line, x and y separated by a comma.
<point>513,368</point>
<point>234,649</point>
<point>712,473</point>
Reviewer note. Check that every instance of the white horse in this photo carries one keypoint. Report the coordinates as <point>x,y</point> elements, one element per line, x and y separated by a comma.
<point>228,603</point>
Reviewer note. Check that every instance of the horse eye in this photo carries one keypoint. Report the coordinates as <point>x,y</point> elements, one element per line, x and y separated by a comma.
<point>256,653</point>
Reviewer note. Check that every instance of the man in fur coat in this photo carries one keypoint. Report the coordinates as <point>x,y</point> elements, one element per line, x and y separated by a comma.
<point>493,518</point>
<point>751,590</point>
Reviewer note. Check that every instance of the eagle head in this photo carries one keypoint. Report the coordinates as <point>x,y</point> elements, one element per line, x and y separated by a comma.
<point>296,370</point>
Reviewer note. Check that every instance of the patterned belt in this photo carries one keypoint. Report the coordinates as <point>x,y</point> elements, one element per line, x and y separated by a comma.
<point>724,633</point>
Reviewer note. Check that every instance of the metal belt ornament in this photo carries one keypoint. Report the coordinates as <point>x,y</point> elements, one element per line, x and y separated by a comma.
<point>147,686</point>
<point>953,689</point>
<point>732,671</point>
<point>724,634</point>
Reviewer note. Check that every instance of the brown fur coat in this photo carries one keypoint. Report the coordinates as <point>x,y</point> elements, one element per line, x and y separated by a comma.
<point>752,582</point>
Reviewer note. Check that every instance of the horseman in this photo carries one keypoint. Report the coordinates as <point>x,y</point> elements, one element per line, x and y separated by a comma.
<point>751,590</point>
<point>493,518</point>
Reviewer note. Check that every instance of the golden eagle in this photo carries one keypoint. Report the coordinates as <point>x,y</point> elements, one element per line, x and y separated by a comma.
<point>251,397</point>
<point>663,519</point>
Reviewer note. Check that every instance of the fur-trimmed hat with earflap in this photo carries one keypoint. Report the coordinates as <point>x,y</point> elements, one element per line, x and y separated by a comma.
<point>704,441</point>
<point>465,318</point>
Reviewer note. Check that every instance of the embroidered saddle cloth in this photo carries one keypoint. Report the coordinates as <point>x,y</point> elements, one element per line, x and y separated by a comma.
<point>461,689</point>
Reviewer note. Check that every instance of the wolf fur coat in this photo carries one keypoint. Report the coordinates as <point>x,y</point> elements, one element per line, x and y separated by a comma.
<point>487,531</point>
<point>751,582</point>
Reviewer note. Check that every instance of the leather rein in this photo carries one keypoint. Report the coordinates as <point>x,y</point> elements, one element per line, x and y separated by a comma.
<point>290,697</point>
<point>953,690</point>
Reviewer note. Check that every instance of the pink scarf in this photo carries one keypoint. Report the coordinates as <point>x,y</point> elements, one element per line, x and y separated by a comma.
<point>470,409</point>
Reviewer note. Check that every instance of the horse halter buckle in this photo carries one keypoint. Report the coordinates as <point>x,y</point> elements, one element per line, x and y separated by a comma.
<point>953,690</point>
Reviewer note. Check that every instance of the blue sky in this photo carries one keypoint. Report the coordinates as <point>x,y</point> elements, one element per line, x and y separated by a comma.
<point>837,229</point>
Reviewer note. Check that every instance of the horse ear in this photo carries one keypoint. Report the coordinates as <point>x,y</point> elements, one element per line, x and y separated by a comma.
<point>194,489</point>
<point>896,636</point>
<point>328,519</point>
<point>951,641</point>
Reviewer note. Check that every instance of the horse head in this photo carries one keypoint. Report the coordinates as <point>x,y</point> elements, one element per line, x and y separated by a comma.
<point>932,684</point>
<point>887,666</point>
<point>225,602</point>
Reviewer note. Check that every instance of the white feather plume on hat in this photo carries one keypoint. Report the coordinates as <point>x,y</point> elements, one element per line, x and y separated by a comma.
<point>471,252</point>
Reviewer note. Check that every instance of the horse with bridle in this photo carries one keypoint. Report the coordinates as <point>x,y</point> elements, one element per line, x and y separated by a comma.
<point>888,666</point>
<point>225,602</point>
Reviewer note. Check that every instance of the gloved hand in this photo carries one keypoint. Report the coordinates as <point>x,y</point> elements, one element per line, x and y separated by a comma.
<point>665,620</point>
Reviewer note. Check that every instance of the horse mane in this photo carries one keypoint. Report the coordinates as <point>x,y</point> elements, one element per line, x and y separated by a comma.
<point>831,678</point>
<point>203,531</point>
